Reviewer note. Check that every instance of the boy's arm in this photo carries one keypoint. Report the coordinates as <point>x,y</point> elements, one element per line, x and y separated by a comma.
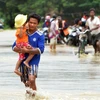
<point>24,50</point>
<point>41,44</point>
<point>38,50</point>
<point>15,49</point>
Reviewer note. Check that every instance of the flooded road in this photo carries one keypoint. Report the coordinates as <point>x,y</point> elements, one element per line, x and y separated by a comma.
<point>62,75</point>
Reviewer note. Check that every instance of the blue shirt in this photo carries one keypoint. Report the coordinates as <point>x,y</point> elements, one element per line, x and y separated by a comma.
<point>36,40</point>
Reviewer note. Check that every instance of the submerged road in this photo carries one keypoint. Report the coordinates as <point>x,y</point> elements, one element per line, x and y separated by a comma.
<point>62,75</point>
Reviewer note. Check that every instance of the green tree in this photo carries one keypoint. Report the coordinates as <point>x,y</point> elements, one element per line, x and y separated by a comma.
<point>67,8</point>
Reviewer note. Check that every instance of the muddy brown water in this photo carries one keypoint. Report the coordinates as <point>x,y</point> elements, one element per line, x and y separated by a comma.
<point>62,75</point>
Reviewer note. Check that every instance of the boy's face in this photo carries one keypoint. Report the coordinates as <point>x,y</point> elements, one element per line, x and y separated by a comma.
<point>33,24</point>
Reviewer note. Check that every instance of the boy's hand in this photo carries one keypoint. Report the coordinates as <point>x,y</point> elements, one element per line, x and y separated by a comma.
<point>24,50</point>
<point>16,49</point>
<point>29,47</point>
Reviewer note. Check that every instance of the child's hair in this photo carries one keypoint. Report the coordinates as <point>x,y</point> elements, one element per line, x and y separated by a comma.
<point>34,15</point>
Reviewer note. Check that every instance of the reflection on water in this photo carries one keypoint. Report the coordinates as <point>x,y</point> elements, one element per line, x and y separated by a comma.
<point>62,76</point>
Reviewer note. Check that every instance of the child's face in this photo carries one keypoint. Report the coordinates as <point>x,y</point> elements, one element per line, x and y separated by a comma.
<point>26,25</point>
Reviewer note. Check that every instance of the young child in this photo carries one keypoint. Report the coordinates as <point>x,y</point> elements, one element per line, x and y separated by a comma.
<point>22,41</point>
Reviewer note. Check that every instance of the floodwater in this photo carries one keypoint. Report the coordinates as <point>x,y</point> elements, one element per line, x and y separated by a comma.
<point>62,75</point>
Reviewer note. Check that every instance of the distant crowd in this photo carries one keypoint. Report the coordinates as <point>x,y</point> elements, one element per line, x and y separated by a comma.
<point>59,31</point>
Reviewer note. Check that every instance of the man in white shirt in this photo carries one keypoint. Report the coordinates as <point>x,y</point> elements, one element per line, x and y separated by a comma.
<point>93,23</point>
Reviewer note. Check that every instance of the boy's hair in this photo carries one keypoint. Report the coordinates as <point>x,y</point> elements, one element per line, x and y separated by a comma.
<point>34,15</point>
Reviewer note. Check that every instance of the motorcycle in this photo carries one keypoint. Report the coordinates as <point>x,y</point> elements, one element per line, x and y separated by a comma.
<point>1,26</point>
<point>73,38</point>
<point>46,34</point>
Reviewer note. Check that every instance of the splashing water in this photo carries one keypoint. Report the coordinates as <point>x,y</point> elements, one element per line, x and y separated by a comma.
<point>40,95</point>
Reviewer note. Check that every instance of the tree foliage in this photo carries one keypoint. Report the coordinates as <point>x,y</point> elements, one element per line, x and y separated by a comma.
<point>10,8</point>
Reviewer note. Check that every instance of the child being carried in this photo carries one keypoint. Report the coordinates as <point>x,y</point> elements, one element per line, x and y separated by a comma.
<point>22,41</point>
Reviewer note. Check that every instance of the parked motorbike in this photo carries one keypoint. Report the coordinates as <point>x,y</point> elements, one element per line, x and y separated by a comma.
<point>46,34</point>
<point>1,26</point>
<point>73,38</point>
